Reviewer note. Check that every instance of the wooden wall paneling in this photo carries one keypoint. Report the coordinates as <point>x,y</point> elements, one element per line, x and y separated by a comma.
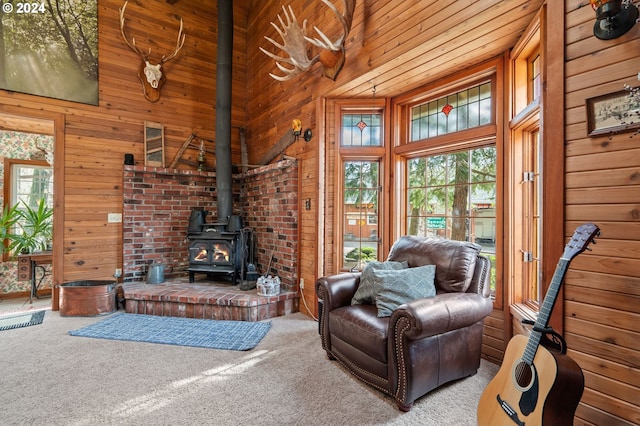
<point>629,414</point>
<point>331,263</point>
<point>596,417</point>
<point>26,124</point>
<point>307,228</point>
<point>601,178</point>
<point>601,186</point>
<point>615,372</point>
<point>618,326</point>
<point>608,159</point>
<point>617,300</point>
<point>493,343</point>
<point>613,195</point>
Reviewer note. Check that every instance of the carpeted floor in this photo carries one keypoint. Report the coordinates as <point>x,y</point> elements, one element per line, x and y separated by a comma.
<point>49,377</point>
<point>22,304</point>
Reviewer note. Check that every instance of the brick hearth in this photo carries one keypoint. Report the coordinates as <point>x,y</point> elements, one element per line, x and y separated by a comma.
<point>206,300</point>
<point>158,204</point>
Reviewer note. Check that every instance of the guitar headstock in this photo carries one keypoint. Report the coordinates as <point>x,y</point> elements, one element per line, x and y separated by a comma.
<point>582,237</point>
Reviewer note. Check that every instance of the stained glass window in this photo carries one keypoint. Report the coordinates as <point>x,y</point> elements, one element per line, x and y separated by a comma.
<point>468,108</point>
<point>362,129</point>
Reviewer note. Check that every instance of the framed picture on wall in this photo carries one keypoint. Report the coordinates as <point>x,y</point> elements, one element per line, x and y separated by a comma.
<point>50,53</point>
<point>612,113</point>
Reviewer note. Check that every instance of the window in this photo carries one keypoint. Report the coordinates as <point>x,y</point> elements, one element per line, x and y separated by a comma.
<point>30,182</point>
<point>359,186</point>
<point>26,182</point>
<point>532,213</point>
<point>453,196</point>
<point>462,110</point>
<point>535,77</point>
<point>360,129</point>
<point>450,164</point>
<point>526,163</point>
<point>360,205</point>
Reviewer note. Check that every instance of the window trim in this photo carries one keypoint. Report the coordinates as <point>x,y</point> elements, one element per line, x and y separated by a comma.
<point>48,123</point>
<point>470,138</point>
<point>552,128</point>
<point>362,153</point>
<point>9,163</point>
<point>520,127</point>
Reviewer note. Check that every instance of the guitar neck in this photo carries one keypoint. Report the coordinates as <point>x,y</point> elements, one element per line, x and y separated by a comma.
<point>582,236</point>
<point>545,311</point>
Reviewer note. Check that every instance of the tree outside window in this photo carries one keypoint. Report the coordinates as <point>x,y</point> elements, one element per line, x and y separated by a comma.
<point>360,205</point>
<point>453,196</point>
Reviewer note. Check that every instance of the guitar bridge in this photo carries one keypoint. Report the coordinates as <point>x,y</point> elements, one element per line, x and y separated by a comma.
<point>513,415</point>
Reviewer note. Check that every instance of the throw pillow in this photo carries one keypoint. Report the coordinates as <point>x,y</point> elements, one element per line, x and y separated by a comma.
<point>368,289</point>
<point>398,287</point>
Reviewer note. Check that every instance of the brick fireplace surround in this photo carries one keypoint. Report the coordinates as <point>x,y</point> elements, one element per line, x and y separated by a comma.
<point>157,206</point>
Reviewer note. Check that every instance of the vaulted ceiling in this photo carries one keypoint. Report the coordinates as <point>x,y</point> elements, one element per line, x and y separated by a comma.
<point>435,39</point>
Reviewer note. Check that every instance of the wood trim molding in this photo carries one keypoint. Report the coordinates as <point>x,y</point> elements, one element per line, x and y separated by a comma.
<point>55,122</point>
<point>553,133</point>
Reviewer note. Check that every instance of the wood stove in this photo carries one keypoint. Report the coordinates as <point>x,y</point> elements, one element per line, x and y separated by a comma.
<point>216,248</point>
<point>214,252</point>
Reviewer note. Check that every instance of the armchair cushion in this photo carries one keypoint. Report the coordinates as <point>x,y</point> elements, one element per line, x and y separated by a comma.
<point>359,325</point>
<point>455,260</point>
<point>401,286</point>
<point>369,287</point>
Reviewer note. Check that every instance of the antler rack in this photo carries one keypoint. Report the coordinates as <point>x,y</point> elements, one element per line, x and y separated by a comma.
<point>295,37</point>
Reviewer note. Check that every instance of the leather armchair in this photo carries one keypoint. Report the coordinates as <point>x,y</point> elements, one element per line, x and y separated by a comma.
<point>424,343</point>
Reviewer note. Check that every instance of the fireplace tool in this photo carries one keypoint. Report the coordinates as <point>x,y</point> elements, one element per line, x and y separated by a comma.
<point>252,274</point>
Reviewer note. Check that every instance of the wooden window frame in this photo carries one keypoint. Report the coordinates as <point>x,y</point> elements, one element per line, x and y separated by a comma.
<point>9,163</point>
<point>466,139</point>
<point>522,129</point>
<point>362,153</point>
<point>551,48</point>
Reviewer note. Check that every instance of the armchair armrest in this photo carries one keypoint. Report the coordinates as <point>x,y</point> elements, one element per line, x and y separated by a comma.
<point>440,314</point>
<point>337,290</point>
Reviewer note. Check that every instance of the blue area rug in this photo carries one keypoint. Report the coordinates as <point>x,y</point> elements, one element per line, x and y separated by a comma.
<point>200,333</point>
<point>21,320</point>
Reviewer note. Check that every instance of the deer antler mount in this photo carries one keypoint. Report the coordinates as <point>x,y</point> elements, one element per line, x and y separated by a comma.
<point>295,40</point>
<point>150,73</point>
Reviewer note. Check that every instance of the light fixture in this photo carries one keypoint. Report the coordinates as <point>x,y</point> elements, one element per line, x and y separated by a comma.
<point>613,18</point>
<point>296,127</point>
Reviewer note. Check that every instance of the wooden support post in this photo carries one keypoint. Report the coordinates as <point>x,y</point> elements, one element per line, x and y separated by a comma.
<point>285,141</point>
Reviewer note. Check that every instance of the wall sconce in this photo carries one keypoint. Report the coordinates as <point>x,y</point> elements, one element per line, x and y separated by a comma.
<point>296,127</point>
<point>307,135</point>
<point>613,18</point>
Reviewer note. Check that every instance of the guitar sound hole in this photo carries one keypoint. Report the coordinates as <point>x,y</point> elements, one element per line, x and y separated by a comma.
<point>523,375</point>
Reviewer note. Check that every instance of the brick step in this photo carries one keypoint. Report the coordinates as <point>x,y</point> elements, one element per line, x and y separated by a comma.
<point>206,300</point>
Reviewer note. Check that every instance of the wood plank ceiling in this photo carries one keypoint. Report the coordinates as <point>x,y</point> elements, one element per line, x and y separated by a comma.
<point>460,34</point>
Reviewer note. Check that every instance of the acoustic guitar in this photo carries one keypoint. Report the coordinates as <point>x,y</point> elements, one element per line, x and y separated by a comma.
<point>538,384</point>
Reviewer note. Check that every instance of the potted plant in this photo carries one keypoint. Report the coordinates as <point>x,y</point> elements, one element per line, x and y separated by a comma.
<point>35,224</point>
<point>8,219</point>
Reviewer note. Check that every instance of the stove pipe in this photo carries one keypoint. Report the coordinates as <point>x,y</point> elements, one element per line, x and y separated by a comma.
<point>223,110</point>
